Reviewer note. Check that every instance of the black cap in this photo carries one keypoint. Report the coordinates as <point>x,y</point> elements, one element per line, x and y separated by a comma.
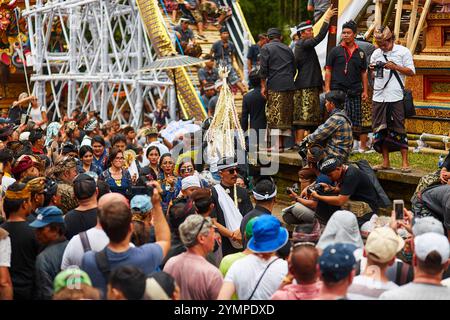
<point>84,186</point>
<point>224,29</point>
<point>273,32</point>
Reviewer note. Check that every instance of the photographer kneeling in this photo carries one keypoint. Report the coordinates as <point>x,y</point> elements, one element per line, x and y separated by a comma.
<point>335,135</point>
<point>351,185</point>
<point>303,211</point>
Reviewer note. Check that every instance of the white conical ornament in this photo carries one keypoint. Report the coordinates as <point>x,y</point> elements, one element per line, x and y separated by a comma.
<point>225,124</point>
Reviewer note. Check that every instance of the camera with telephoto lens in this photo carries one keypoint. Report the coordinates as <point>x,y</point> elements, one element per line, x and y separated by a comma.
<point>315,187</point>
<point>293,189</point>
<point>379,69</point>
<point>303,149</point>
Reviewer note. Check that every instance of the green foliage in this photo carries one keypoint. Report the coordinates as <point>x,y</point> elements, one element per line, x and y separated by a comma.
<point>264,14</point>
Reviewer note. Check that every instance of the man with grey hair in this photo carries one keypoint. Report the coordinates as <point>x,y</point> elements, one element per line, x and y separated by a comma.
<point>197,234</point>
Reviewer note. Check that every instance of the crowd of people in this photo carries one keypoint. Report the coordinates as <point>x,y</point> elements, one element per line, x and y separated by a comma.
<point>93,210</point>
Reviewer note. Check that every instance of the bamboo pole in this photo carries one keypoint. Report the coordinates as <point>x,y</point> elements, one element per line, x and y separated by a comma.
<point>388,13</point>
<point>412,23</point>
<point>398,20</point>
<point>423,16</point>
<point>378,12</point>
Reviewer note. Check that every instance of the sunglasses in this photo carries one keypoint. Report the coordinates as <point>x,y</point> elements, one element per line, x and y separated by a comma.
<point>187,170</point>
<point>200,229</point>
<point>232,170</point>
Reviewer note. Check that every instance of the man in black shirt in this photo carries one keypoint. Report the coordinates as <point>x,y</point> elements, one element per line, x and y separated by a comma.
<point>24,246</point>
<point>253,51</point>
<point>84,216</point>
<point>231,203</point>
<point>277,85</point>
<point>346,70</point>
<point>351,184</point>
<point>254,107</point>
<point>309,82</point>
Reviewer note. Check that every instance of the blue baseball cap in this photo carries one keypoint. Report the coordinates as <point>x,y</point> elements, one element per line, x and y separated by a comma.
<point>268,235</point>
<point>141,203</point>
<point>337,261</point>
<point>47,215</point>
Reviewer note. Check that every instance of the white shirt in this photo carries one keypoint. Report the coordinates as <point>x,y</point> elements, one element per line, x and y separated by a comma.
<point>6,182</point>
<point>5,252</point>
<point>245,273</point>
<point>393,92</point>
<point>36,115</point>
<point>367,288</point>
<point>73,254</point>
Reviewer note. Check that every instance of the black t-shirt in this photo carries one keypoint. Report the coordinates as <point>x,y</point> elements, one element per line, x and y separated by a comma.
<point>357,185</point>
<point>24,249</point>
<point>253,54</point>
<point>79,221</point>
<point>350,80</point>
<point>15,113</point>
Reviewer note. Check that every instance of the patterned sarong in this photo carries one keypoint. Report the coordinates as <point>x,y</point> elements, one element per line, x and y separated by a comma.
<point>279,109</point>
<point>307,109</point>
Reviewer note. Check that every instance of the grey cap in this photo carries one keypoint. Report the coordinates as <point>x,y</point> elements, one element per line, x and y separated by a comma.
<point>427,224</point>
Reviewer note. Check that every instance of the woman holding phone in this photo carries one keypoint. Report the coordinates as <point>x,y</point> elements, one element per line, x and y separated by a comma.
<point>170,183</point>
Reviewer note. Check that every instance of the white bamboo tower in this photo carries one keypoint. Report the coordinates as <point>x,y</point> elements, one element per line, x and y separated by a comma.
<point>105,47</point>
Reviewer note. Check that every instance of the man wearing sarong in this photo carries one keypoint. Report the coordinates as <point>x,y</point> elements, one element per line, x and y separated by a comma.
<point>277,72</point>
<point>346,70</point>
<point>309,81</point>
<point>388,115</point>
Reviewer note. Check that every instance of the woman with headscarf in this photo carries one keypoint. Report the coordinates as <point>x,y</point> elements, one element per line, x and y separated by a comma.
<point>72,133</point>
<point>51,140</point>
<point>342,228</point>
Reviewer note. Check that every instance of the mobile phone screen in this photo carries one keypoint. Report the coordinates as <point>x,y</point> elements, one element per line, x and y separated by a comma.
<point>398,211</point>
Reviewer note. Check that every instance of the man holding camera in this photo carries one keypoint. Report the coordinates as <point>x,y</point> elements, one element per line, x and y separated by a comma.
<point>351,184</point>
<point>391,63</point>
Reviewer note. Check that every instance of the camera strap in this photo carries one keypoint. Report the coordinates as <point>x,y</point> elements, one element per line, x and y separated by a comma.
<point>390,74</point>
<point>395,73</point>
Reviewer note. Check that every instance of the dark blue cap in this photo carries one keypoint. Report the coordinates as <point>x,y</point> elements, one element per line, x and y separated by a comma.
<point>337,261</point>
<point>47,215</point>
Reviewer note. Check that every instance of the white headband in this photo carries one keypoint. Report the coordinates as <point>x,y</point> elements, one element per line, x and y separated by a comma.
<point>226,166</point>
<point>261,197</point>
<point>304,27</point>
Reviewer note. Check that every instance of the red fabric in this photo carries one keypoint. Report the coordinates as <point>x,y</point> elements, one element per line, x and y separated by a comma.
<point>22,165</point>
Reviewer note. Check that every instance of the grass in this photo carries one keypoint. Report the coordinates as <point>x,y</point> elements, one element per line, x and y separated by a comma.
<point>418,161</point>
